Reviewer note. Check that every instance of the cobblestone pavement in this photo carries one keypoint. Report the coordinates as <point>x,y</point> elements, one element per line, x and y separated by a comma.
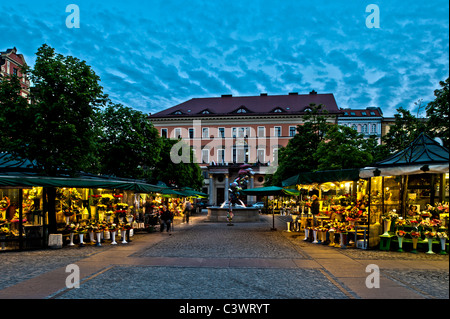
<point>212,260</point>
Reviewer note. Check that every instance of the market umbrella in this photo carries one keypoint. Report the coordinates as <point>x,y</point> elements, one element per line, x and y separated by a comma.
<point>193,193</point>
<point>270,191</point>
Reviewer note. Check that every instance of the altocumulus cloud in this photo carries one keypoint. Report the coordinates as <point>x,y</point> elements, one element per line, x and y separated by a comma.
<point>151,55</point>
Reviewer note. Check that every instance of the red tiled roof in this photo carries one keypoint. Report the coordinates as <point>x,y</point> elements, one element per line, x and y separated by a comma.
<point>253,105</point>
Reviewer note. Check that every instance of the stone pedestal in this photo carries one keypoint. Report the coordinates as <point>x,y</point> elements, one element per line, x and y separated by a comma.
<point>241,214</point>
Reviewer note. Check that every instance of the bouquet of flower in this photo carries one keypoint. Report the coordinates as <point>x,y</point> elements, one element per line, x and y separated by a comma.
<point>126,226</point>
<point>392,215</point>
<point>353,213</point>
<point>442,235</point>
<point>401,233</point>
<point>112,227</point>
<point>430,234</point>
<point>413,223</point>
<point>81,230</point>
<point>70,228</point>
<point>4,231</point>
<point>400,222</point>
<point>435,223</point>
<point>117,198</point>
<point>415,234</point>
<point>95,199</point>
<point>68,211</point>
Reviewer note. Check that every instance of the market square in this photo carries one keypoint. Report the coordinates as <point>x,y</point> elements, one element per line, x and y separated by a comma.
<point>202,152</point>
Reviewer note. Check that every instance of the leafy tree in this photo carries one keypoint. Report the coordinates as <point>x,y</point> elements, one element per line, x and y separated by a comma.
<point>343,148</point>
<point>405,129</point>
<point>438,113</point>
<point>180,174</point>
<point>14,119</point>
<point>64,100</point>
<point>58,130</point>
<point>298,155</point>
<point>129,144</point>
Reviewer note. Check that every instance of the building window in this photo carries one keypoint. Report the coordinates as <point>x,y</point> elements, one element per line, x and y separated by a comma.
<point>177,133</point>
<point>277,131</point>
<point>177,113</point>
<point>191,133</point>
<point>15,71</point>
<point>205,156</point>
<point>374,128</point>
<point>261,131</point>
<point>241,110</point>
<point>363,113</point>
<point>261,155</point>
<point>205,132</point>
<point>292,130</point>
<point>163,132</point>
<point>233,132</point>
<point>205,112</point>
<point>221,132</point>
<point>275,155</point>
<point>352,113</point>
<point>354,127</point>
<point>241,132</point>
<point>221,156</point>
<point>364,129</point>
<point>372,113</point>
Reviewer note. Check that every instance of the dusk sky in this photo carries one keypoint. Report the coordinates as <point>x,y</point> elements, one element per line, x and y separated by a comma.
<point>151,55</point>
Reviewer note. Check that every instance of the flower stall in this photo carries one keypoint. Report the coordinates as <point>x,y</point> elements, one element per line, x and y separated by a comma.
<point>409,198</point>
<point>28,217</point>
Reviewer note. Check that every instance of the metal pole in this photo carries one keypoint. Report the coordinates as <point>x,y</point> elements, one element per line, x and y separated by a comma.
<point>20,219</point>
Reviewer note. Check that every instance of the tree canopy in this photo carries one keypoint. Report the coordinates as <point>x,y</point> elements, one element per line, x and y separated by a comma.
<point>438,113</point>
<point>129,144</point>
<point>57,130</point>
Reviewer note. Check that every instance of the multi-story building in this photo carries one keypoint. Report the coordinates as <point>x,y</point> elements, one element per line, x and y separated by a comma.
<point>365,121</point>
<point>227,131</point>
<point>11,63</point>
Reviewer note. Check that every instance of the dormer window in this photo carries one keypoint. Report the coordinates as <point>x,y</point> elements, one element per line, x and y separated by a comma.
<point>278,110</point>
<point>205,111</point>
<point>241,110</point>
<point>177,112</point>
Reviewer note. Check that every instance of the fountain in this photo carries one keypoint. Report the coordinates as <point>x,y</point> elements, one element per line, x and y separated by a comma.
<point>229,211</point>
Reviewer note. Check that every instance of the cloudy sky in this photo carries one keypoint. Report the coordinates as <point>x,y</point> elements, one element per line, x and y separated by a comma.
<point>152,54</point>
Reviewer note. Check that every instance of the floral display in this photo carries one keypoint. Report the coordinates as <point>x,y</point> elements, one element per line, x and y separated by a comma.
<point>401,233</point>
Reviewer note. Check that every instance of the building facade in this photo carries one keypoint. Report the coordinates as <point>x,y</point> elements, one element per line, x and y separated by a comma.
<point>11,63</point>
<point>225,132</point>
<point>367,121</point>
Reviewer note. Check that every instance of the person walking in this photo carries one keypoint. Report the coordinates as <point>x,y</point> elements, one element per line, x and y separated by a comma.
<point>166,219</point>
<point>187,210</point>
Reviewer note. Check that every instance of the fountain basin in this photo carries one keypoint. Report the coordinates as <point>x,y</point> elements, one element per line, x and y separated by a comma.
<point>241,214</point>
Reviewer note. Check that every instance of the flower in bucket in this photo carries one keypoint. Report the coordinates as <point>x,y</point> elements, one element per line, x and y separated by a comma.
<point>401,233</point>
<point>400,222</point>
<point>430,234</point>
<point>70,228</point>
<point>415,234</point>
<point>81,230</point>
<point>126,226</point>
<point>435,223</point>
<point>112,227</point>
<point>4,231</point>
<point>442,235</point>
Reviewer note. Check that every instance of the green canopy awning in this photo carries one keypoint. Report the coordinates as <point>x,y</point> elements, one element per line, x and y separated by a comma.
<point>323,177</point>
<point>190,192</point>
<point>270,191</point>
<point>21,180</point>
